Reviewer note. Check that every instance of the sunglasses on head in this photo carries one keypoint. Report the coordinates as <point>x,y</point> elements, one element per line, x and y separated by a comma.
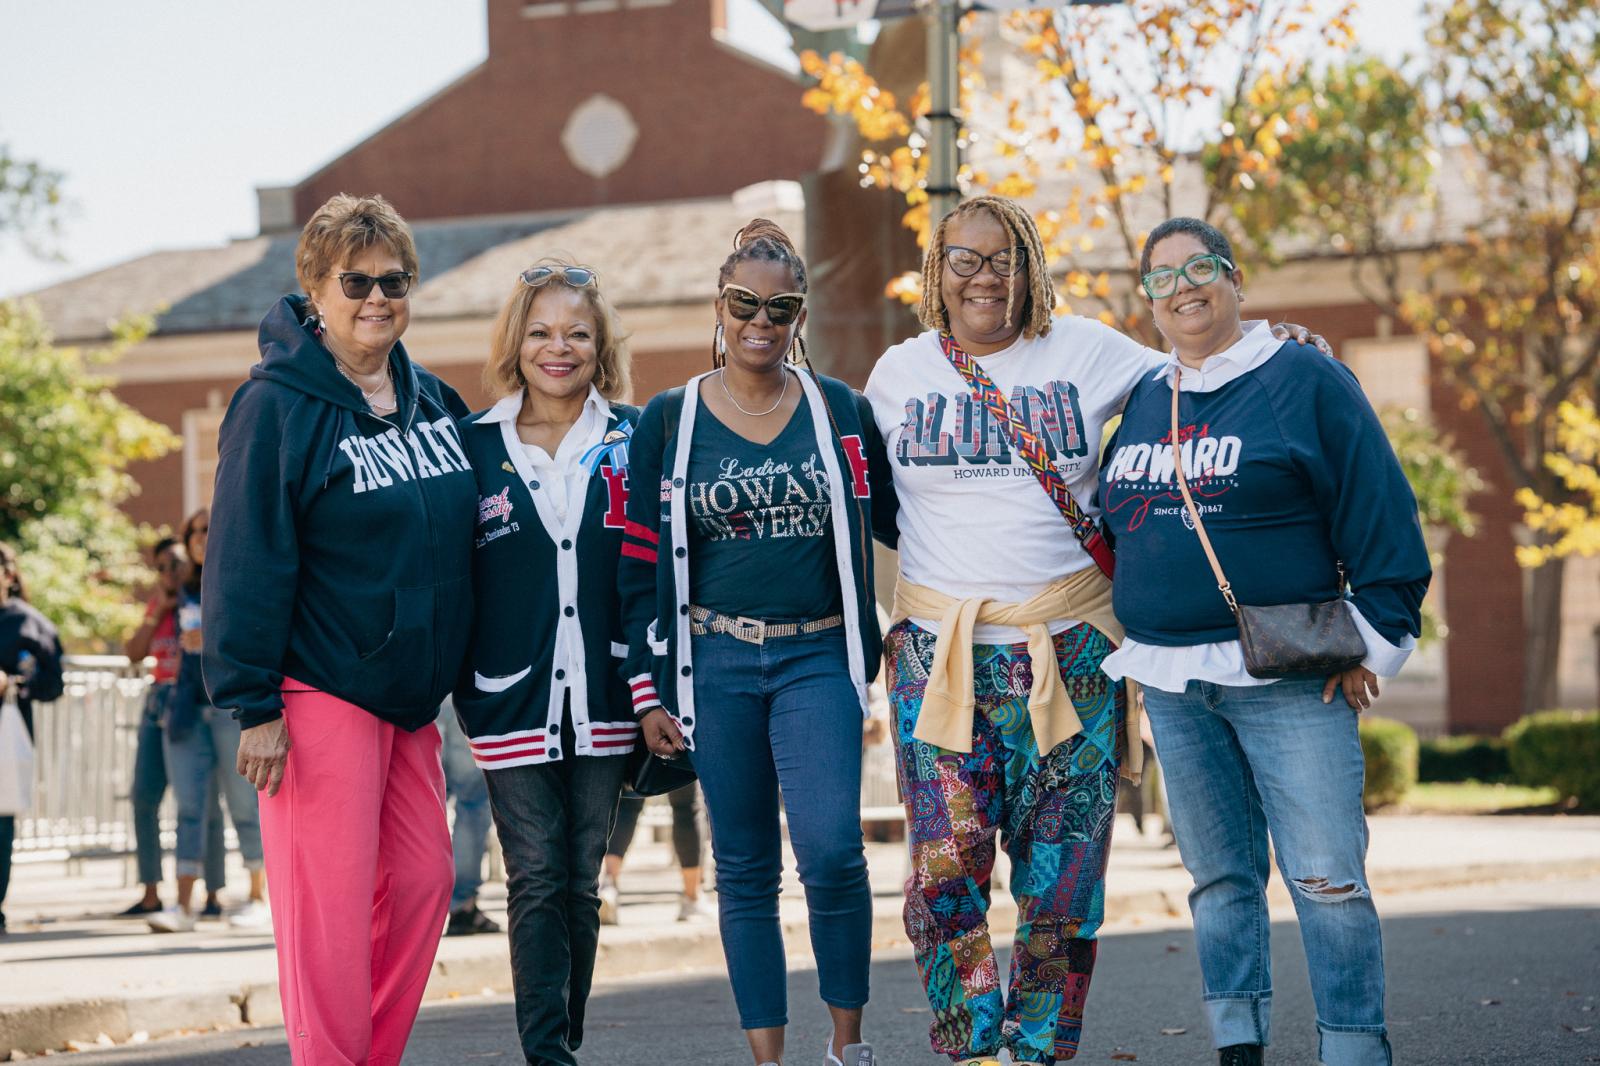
<point>744,305</point>
<point>577,277</point>
<point>357,285</point>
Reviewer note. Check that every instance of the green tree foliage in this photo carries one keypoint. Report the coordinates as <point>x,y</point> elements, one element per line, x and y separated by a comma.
<point>65,445</point>
<point>30,204</point>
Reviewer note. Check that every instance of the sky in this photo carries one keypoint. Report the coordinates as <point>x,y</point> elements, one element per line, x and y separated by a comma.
<point>166,115</point>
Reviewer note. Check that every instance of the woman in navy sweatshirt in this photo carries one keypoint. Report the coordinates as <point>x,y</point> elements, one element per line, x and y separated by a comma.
<point>747,597</point>
<point>1294,479</point>
<point>540,699</point>
<point>338,605</point>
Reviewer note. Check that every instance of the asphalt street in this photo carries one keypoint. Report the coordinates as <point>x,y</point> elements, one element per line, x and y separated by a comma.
<point>1494,974</point>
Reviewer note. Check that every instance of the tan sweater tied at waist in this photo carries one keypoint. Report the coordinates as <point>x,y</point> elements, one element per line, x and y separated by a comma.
<point>945,719</point>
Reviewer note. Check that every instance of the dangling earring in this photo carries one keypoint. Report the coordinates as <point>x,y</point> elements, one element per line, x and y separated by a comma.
<point>722,343</point>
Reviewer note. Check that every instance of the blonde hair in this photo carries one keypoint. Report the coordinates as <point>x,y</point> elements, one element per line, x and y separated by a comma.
<point>1039,300</point>
<point>502,374</point>
<point>344,227</point>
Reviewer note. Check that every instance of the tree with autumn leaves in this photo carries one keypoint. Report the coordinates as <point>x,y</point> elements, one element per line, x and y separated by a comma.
<point>1256,115</point>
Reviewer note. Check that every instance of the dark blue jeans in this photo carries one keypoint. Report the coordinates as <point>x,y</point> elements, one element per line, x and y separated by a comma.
<point>784,716</point>
<point>553,820</point>
<point>150,785</point>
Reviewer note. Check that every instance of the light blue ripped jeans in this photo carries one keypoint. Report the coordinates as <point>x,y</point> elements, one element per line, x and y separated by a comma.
<point>1245,761</point>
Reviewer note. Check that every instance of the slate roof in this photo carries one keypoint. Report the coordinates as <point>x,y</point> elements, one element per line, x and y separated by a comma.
<point>646,255</point>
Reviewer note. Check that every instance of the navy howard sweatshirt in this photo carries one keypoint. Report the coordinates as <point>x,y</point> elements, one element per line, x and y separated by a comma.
<point>340,543</point>
<point>1292,474</point>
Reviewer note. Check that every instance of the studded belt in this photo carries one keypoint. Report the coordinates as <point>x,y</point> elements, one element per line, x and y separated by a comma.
<point>702,620</point>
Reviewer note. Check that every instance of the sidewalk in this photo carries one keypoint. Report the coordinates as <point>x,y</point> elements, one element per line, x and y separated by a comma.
<point>67,973</point>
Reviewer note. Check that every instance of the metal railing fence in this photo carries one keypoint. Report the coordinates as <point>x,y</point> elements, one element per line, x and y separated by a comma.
<point>83,749</point>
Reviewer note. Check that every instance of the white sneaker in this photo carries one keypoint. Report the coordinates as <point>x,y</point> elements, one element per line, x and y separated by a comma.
<point>253,915</point>
<point>854,1055</point>
<point>690,909</point>
<point>610,903</point>
<point>172,919</point>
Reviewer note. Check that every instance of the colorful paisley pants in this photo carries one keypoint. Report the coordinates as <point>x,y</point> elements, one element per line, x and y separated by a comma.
<point>1055,815</point>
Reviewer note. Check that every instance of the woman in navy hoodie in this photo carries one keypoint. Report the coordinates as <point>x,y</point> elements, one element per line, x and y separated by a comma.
<point>338,604</point>
<point>540,699</point>
<point>747,597</point>
<point>1297,488</point>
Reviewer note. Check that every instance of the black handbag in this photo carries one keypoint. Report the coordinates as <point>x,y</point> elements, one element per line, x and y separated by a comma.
<point>1283,640</point>
<point>651,775</point>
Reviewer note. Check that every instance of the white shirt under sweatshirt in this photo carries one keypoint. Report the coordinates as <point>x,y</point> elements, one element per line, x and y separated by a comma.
<point>974,520</point>
<point>1222,663</point>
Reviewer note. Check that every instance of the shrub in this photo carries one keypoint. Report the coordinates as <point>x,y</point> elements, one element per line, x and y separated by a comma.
<point>1389,749</point>
<point>1464,759</point>
<point>1560,749</point>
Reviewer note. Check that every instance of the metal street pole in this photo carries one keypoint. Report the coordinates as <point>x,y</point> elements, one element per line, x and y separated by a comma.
<point>944,155</point>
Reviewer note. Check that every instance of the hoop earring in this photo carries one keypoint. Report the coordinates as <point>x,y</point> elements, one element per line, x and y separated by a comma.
<point>717,348</point>
<point>721,341</point>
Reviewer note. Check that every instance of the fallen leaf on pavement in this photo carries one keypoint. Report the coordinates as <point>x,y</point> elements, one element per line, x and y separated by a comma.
<point>1578,1028</point>
<point>1124,1056</point>
<point>1173,1032</point>
<point>1488,1002</point>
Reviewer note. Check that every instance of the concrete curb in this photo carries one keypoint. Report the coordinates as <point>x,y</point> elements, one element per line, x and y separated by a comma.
<point>33,1028</point>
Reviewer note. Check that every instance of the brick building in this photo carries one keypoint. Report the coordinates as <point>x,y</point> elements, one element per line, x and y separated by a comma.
<point>601,129</point>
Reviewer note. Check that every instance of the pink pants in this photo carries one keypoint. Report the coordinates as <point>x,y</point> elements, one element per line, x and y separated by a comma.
<point>358,862</point>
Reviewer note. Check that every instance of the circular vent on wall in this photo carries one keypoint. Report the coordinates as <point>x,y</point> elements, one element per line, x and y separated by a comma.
<point>599,135</point>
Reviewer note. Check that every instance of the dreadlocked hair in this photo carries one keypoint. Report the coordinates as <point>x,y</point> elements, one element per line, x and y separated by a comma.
<point>761,240</point>
<point>1039,300</point>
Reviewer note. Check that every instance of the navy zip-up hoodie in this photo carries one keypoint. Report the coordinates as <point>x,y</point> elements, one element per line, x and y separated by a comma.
<point>339,552</point>
<point>541,584</point>
<point>653,576</point>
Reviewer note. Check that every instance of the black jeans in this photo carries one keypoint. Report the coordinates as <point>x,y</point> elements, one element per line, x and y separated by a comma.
<point>553,820</point>
<point>8,827</point>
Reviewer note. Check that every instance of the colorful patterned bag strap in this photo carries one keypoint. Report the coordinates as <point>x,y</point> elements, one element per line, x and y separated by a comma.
<point>1027,445</point>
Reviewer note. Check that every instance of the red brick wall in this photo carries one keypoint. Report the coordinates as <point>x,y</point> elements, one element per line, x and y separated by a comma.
<point>709,121</point>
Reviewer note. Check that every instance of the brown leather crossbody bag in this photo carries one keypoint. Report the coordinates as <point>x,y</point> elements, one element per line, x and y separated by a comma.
<point>1287,639</point>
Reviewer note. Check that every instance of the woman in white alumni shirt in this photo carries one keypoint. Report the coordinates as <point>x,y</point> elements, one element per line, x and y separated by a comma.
<point>991,578</point>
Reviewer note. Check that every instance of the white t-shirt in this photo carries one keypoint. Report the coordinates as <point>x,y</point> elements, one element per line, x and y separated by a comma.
<point>974,520</point>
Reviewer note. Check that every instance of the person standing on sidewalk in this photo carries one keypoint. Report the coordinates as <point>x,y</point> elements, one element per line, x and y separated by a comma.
<point>752,632</point>
<point>468,792</point>
<point>1300,487</point>
<point>30,663</point>
<point>1004,722</point>
<point>157,638</point>
<point>339,603</point>
<point>687,813</point>
<point>202,750</point>
<point>544,709</point>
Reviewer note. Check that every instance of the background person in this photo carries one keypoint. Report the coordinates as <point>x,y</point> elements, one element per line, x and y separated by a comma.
<point>157,638</point>
<point>764,471</point>
<point>30,665</point>
<point>339,605</point>
<point>202,749</point>
<point>544,709</point>
<point>1298,481</point>
<point>687,847</point>
<point>466,789</point>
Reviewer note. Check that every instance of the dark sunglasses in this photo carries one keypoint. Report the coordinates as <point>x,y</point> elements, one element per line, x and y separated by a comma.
<point>966,262</point>
<point>357,285</point>
<point>744,305</point>
<point>577,277</point>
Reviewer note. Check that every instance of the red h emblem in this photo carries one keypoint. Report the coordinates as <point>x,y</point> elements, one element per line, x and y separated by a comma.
<point>856,455</point>
<point>616,496</point>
